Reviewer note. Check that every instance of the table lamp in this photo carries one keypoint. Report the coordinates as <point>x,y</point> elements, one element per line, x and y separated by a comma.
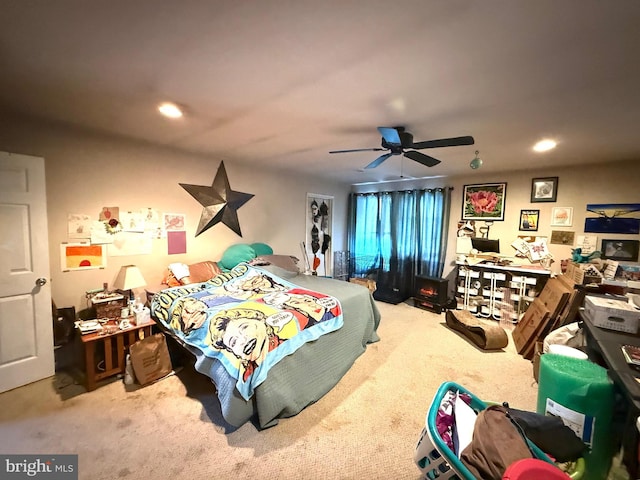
<point>129,277</point>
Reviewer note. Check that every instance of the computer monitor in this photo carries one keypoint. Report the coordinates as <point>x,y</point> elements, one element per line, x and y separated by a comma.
<point>485,244</point>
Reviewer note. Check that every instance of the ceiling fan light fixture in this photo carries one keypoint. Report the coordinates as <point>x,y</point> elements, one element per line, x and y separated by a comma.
<point>545,145</point>
<point>170,110</point>
<point>476,163</point>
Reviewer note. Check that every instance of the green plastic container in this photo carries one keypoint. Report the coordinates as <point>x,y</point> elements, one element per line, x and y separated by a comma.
<point>582,394</point>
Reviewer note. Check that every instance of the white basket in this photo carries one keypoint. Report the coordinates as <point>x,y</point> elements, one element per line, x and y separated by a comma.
<point>434,458</point>
<point>429,460</point>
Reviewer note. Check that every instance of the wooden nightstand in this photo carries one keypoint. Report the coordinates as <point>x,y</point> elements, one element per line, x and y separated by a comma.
<point>114,346</point>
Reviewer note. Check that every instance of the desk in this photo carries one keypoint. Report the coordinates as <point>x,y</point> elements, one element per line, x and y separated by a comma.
<point>114,347</point>
<point>606,345</point>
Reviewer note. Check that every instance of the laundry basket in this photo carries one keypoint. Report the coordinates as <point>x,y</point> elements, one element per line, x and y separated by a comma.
<point>436,460</point>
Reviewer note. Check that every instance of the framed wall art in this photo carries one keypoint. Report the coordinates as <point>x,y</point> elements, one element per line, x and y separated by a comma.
<point>484,201</point>
<point>562,237</point>
<point>529,220</point>
<point>620,249</point>
<point>544,189</point>
<point>561,216</point>
<point>613,218</point>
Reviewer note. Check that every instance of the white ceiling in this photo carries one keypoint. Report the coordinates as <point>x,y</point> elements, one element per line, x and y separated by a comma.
<point>281,83</point>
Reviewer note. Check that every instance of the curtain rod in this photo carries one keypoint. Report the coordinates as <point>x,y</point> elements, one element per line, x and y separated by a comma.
<point>403,191</point>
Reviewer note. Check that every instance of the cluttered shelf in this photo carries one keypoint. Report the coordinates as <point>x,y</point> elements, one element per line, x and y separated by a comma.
<point>499,291</point>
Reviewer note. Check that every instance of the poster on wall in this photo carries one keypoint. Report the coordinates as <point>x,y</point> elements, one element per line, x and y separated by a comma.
<point>130,243</point>
<point>562,237</point>
<point>319,217</point>
<point>587,243</point>
<point>620,218</point>
<point>78,226</point>
<point>132,221</point>
<point>529,220</point>
<point>82,256</point>
<point>152,222</point>
<point>174,221</point>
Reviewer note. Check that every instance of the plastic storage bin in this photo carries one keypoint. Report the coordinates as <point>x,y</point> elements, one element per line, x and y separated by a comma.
<point>436,460</point>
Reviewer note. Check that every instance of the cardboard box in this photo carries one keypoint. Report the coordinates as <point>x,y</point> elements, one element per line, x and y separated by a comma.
<point>532,322</point>
<point>612,314</point>
<point>570,311</point>
<point>583,273</point>
<point>554,296</point>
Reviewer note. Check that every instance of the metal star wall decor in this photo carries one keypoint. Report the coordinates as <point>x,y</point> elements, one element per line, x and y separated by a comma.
<point>220,203</point>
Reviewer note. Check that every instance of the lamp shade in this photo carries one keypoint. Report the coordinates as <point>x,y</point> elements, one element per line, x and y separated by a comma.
<point>129,277</point>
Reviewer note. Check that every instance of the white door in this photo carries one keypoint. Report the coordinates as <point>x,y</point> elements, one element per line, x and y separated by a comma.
<point>26,327</point>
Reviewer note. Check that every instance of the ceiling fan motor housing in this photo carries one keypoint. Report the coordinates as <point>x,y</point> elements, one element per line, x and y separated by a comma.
<point>406,141</point>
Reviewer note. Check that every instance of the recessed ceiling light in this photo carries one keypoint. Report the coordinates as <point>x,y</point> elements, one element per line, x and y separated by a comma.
<point>545,145</point>
<point>170,110</point>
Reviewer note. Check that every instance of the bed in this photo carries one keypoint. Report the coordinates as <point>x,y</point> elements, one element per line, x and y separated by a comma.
<point>297,379</point>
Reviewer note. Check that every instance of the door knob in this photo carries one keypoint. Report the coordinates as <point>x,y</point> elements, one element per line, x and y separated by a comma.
<point>41,282</point>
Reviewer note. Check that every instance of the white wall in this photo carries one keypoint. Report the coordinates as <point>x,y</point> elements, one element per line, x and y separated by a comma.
<point>85,172</point>
<point>606,183</point>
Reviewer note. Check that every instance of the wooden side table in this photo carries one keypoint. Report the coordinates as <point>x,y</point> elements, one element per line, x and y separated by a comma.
<point>114,346</point>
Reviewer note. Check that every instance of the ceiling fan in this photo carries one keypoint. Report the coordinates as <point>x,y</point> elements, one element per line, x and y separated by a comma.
<point>396,141</point>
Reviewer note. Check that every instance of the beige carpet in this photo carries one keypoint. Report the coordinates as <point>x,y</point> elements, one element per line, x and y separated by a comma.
<point>365,428</point>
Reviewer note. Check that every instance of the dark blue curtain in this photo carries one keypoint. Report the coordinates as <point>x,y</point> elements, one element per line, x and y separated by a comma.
<point>398,235</point>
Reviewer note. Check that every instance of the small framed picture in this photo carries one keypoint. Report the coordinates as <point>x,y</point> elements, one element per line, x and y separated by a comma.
<point>544,189</point>
<point>562,237</point>
<point>620,249</point>
<point>561,216</point>
<point>529,220</point>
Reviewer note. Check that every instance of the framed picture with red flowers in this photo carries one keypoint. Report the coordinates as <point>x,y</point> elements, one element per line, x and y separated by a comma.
<point>484,201</point>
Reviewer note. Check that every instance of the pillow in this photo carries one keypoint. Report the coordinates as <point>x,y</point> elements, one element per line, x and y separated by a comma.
<point>201,272</point>
<point>286,262</point>
<point>236,254</point>
<point>262,249</point>
<point>179,270</point>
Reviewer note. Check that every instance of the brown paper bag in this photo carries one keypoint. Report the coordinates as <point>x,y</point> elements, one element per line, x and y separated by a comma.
<point>150,359</point>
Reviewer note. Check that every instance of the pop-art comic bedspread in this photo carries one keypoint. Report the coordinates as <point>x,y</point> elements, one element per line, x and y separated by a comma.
<point>248,319</point>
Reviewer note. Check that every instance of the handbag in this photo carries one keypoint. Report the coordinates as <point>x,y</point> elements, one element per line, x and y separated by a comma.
<point>150,359</point>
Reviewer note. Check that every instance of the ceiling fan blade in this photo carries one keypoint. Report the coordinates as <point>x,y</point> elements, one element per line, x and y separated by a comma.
<point>359,150</point>
<point>379,160</point>
<point>444,142</point>
<point>422,158</point>
<point>390,135</point>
